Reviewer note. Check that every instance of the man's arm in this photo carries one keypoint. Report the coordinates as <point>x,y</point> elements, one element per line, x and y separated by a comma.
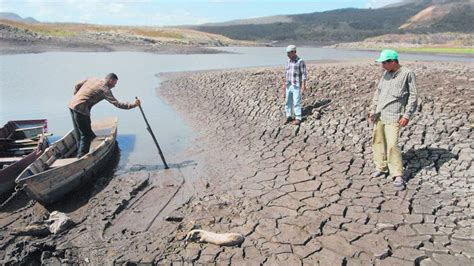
<point>78,86</point>
<point>412,96</point>
<point>283,87</point>
<point>375,99</point>
<point>412,101</point>
<point>304,76</point>
<point>111,99</point>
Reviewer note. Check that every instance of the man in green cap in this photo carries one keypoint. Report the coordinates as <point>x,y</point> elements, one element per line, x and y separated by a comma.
<point>393,105</point>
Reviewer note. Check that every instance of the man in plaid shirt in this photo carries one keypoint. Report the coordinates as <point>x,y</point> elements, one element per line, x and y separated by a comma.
<point>294,85</point>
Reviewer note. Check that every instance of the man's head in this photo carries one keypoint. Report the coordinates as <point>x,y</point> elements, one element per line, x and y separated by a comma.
<point>291,51</point>
<point>111,80</point>
<point>389,60</point>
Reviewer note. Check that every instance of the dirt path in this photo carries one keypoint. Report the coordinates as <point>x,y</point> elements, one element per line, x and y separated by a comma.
<point>300,195</point>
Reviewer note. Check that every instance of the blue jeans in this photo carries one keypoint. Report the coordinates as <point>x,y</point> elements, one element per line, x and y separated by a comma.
<point>293,100</point>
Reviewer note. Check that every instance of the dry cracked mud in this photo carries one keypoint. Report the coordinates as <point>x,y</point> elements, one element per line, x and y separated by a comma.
<point>299,194</point>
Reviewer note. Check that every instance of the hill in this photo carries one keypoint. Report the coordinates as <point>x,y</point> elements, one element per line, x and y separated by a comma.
<point>352,24</point>
<point>19,37</point>
<point>15,17</point>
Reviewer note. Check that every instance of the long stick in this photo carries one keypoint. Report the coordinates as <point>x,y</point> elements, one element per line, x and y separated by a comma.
<point>153,136</point>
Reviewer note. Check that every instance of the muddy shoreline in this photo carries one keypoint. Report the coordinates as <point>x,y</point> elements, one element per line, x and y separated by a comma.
<point>10,47</point>
<point>299,195</point>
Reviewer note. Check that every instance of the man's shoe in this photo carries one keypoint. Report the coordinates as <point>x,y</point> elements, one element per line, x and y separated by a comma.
<point>296,122</point>
<point>378,173</point>
<point>399,183</point>
<point>288,120</point>
<point>80,155</point>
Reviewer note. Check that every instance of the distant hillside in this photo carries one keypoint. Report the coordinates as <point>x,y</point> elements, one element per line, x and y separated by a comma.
<point>351,24</point>
<point>441,17</point>
<point>15,17</point>
<point>18,37</point>
<point>260,21</point>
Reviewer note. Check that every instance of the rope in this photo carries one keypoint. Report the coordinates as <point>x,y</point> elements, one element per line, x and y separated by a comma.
<point>12,196</point>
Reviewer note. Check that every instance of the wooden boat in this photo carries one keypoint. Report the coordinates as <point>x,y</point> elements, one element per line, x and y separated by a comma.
<point>57,171</point>
<point>23,129</point>
<point>21,142</point>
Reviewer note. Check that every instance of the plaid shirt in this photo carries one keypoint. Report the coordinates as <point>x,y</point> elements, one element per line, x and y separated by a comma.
<point>396,96</point>
<point>295,71</point>
<point>89,92</point>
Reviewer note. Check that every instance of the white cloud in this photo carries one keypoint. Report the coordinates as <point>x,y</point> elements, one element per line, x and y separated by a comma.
<point>172,16</point>
<point>86,11</point>
<point>380,3</point>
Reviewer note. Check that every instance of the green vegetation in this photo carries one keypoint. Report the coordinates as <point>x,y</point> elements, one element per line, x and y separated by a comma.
<point>55,32</point>
<point>157,33</point>
<point>441,50</point>
<point>350,24</point>
<point>342,25</point>
<point>437,50</point>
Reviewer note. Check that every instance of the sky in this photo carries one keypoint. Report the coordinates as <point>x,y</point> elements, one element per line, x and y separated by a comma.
<point>171,12</point>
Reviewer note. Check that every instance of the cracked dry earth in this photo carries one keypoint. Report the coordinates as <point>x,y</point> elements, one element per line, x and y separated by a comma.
<point>299,194</point>
<point>304,195</point>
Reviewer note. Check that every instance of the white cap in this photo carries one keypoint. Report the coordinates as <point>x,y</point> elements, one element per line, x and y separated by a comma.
<point>290,48</point>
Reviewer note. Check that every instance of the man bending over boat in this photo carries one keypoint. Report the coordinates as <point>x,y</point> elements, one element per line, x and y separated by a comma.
<point>86,94</point>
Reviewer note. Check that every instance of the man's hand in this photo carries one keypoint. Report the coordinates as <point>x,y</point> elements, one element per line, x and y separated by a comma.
<point>137,102</point>
<point>371,117</point>
<point>403,121</point>
<point>303,88</point>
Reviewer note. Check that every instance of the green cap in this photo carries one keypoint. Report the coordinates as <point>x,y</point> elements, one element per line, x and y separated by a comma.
<point>387,54</point>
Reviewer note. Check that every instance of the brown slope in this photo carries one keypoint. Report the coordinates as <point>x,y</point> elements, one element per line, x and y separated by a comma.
<point>434,13</point>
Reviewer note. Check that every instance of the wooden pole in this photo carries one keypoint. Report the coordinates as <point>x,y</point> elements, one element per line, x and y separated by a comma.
<point>153,136</point>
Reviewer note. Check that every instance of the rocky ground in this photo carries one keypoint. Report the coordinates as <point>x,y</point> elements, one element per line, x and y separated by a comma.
<point>299,194</point>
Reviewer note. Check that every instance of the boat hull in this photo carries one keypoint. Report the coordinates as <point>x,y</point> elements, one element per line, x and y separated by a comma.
<point>49,179</point>
<point>19,147</point>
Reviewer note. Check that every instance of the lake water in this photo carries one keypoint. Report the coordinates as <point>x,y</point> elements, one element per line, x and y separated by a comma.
<point>41,85</point>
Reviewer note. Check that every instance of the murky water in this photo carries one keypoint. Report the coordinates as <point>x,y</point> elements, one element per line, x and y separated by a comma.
<point>36,86</point>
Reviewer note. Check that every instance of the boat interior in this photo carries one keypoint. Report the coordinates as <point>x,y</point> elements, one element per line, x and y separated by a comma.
<point>63,152</point>
<point>15,143</point>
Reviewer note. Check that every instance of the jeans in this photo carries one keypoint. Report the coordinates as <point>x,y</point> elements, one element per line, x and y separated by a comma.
<point>385,147</point>
<point>293,100</point>
<point>82,132</point>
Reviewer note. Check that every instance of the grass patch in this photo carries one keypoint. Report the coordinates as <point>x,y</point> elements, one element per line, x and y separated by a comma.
<point>157,33</point>
<point>55,32</point>
<point>440,50</point>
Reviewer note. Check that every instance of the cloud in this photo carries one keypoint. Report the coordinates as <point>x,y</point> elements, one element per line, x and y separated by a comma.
<point>171,17</point>
<point>380,3</point>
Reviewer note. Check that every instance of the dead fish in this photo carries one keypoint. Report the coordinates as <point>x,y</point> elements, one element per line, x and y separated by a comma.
<point>225,239</point>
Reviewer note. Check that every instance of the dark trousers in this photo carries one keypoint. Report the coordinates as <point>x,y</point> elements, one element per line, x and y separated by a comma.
<point>82,132</point>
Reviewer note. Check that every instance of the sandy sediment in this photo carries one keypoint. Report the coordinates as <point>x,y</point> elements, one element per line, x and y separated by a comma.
<point>42,46</point>
<point>298,194</point>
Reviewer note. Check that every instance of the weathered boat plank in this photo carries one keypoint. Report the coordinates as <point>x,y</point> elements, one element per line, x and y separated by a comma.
<point>21,142</point>
<point>56,172</point>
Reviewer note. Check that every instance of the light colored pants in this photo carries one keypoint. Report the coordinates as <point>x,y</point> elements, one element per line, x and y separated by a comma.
<point>293,100</point>
<point>385,148</point>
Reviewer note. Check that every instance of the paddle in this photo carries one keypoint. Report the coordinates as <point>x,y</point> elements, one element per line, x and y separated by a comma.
<point>153,136</point>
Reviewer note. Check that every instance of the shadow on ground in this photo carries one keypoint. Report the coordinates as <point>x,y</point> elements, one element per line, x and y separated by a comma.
<point>417,160</point>
<point>316,108</point>
<point>183,164</point>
